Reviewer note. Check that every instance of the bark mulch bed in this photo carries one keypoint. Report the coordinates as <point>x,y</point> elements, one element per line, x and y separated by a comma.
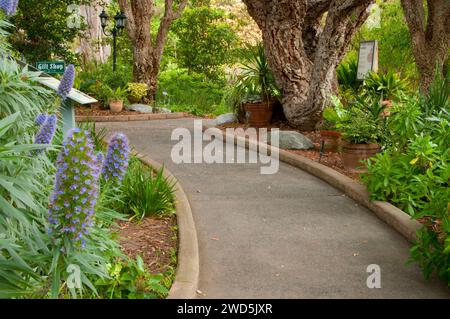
<point>96,111</point>
<point>154,239</point>
<point>329,159</point>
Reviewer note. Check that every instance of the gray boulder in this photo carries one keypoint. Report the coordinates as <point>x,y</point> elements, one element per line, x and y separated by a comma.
<point>291,140</point>
<point>225,119</point>
<point>143,108</point>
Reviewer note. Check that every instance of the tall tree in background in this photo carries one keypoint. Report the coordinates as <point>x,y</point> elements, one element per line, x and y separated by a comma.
<point>148,50</point>
<point>303,52</point>
<point>91,41</point>
<point>429,26</point>
<point>42,29</point>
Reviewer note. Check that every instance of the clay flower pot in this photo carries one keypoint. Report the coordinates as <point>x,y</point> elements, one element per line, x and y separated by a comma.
<point>260,113</point>
<point>116,106</point>
<point>332,140</point>
<point>352,154</point>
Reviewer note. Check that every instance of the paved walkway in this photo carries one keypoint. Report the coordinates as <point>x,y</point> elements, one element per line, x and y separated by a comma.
<point>287,235</point>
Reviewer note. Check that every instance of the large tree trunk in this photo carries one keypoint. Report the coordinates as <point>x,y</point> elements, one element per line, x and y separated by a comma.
<point>146,54</point>
<point>91,43</point>
<point>430,36</point>
<point>301,54</point>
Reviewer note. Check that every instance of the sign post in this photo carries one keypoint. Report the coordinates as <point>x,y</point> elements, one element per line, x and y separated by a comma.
<point>51,67</point>
<point>367,59</point>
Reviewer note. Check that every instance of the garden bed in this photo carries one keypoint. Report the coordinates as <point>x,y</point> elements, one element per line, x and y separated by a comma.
<point>329,159</point>
<point>154,239</point>
<point>96,111</point>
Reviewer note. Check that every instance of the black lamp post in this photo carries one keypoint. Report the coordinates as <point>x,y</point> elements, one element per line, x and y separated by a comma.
<point>119,25</point>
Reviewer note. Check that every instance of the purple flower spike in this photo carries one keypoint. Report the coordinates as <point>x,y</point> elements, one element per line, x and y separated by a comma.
<point>66,82</point>
<point>40,119</point>
<point>116,162</point>
<point>7,6</point>
<point>72,208</point>
<point>46,133</point>
<point>14,5</point>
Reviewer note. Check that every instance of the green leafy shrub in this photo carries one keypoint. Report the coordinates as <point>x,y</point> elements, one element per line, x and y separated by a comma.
<point>137,91</point>
<point>205,40</point>
<point>387,85</point>
<point>129,279</point>
<point>181,91</point>
<point>346,76</point>
<point>146,193</point>
<point>413,173</point>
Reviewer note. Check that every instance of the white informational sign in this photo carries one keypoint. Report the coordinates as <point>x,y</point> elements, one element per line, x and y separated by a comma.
<point>367,59</point>
<point>74,94</point>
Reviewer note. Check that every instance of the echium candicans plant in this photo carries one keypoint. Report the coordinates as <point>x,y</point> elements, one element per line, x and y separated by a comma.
<point>116,162</point>
<point>9,6</point>
<point>40,119</point>
<point>46,132</point>
<point>76,190</point>
<point>66,83</point>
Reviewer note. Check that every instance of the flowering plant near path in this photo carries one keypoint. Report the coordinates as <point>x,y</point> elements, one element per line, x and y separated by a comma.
<point>40,119</point>
<point>9,6</point>
<point>47,131</point>
<point>116,161</point>
<point>76,188</point>
<point>66,83</point>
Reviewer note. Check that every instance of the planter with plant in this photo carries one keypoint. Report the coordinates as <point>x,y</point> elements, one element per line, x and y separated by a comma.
<point>136,92</point>
<point>360,133</point>
<point>116,99</point>
<point>255,88</point>
<point>330,136</point>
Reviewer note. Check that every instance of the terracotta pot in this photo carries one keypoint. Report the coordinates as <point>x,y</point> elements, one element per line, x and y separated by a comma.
<point>332,140</point>
<point>116,106</point>
<point>352,154</point>
<point>260,113</point>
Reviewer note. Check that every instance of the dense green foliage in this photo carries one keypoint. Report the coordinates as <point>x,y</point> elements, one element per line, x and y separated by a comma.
<point>146,193</point>
<point>181,91</point>
<point>205,41</point>
<point>45,35</point>
<point>395,53</point>
<point>33,263</point>
<point>413,172</point>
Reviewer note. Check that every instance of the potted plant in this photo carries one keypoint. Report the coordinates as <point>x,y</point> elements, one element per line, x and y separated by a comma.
<point>136,92</point>
<point>257,88</point>
<point>330,136</point>
<point>116,98</point>
<point>360,134</point>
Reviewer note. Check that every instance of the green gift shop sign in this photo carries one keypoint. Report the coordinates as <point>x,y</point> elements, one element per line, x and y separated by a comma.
<point>51,67</point>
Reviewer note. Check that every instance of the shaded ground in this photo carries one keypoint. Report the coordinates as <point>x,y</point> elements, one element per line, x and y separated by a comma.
<point>154,239</point>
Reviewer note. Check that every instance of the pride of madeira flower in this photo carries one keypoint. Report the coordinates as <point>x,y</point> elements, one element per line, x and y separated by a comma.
<point>76,190</point>
<point>66,83</point>
<point>116,162</point>
<point>47,130</point>
<point>9,6</point>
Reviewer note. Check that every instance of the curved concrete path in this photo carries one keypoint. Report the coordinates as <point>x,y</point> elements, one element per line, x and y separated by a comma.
<point>287,235</point>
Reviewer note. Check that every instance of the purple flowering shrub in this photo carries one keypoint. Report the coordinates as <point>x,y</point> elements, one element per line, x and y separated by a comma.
<point>9,6</point>
<point>116,162</point>
<point>76,188</point>
<point>46,132</point>
<point>66,83</point>
<point>40,119</point>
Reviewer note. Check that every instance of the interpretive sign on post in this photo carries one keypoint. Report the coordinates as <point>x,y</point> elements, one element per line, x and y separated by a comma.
<point>367,59</point>
<point>51,67</point>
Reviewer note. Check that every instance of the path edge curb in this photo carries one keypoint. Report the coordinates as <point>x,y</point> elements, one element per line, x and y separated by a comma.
<point>188,266</point>
<point>128,118</point>
<point>391,215</point>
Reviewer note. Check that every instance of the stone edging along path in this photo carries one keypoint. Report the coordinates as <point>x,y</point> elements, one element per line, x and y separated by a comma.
<point>187,273</point>
<point>126,118</point>
<point>387,212</point>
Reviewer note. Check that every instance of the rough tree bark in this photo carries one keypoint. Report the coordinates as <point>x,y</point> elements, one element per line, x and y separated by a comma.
<point>303,52</point>
<point>146,52</point>
<point>430,35</point>
<point>91,43</point>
